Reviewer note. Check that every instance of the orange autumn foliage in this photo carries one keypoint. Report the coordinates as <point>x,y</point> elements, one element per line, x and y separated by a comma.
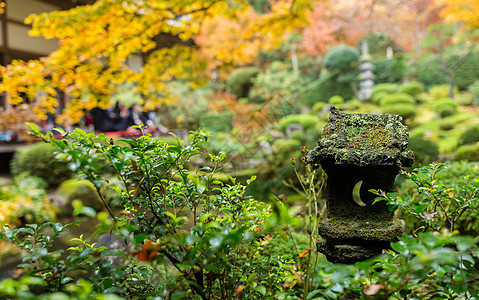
<point>176,39</point>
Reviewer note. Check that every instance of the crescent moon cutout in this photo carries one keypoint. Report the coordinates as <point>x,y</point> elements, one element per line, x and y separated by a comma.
<point>357,194</point>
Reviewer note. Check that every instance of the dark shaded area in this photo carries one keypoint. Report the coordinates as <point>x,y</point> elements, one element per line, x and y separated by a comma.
<point>5,158</point>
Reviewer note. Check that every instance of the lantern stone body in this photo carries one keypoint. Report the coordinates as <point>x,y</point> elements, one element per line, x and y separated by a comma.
<point>359,152</point>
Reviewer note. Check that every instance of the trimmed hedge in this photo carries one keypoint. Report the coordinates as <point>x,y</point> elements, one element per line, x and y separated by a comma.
<point>382,89</point>
<point>425,151</point>
<point>470,136</point>
<point>404,110</point>
<point>39,160</point>
<point>342,58</point>
<point>397,98</point>
<point>468,152</point>
<point>445,107</point>
<point>306,120</point>
<point>241,80</point>
<point>412,88</point>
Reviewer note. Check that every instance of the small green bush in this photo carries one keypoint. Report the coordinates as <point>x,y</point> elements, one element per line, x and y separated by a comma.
<point>318,107</point>
<point>470,136</point>
<point>306,120</point>
<point>404,110</point>
<point>425,151</point>
<point>285,146</point>
<point>217,122</point>
<point>342,58</point>
<point>397,98</point>
<point>389,70</point>
<point>468,152</point>
<point>74,189</point>
<point>382,89</point>
<point>336,100</point>
<point>440,91</point>
<point>412,88</point>
<point>38,160</point>
<point>241,80</point>
<point>445,107</point>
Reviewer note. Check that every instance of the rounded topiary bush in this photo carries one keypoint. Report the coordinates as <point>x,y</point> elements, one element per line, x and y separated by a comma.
<point>241,80</point>
<point>285,146</point>
<point>306,120</point>
<point>381,90</point>
<point>468,152</point>
<point>336,100</point>
<point>397,98</point>
<point>440,91</point>
<point>318,107</point>
<point>412,88</point>
<point>445,107</point>
<point>342,58</point>
<point>74,189</point>
<point>39,160</point>
<point>389,70</point>
<point>425,151</point>
<point>406,111</point>
<point>470,136</point>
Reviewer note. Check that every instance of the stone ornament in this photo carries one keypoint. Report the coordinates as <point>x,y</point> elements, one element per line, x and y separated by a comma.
<point>359,152</point>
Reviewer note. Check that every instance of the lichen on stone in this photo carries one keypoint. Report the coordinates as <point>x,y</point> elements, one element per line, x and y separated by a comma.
<point>363,139</point>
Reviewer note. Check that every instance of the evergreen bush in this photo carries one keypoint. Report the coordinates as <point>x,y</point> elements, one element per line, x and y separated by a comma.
<point>241,80</point>
<point>412,88</point>
<point>342,58</point>
<point>445,107</point>
<point>39,160</point>
<point>406,111</point>
<point>468,152</point>
<point>470,136</point>
<point>397,98</point>
<point>382,89</point>
<point>336,100</point>
<point>389,70</point>
<point>425,151</point>
<point>306,120</point>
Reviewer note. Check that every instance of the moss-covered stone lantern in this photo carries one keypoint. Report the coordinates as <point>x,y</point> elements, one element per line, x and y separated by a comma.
<point>359,152</point>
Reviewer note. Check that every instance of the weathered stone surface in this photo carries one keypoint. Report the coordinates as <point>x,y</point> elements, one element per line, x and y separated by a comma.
<point>359,152</point>
<point>363,140</point>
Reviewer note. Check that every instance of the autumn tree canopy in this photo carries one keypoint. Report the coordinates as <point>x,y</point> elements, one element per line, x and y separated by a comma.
<point>176,39</point>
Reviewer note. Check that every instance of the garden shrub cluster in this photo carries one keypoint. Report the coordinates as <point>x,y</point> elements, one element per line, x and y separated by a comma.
<point>191,236</point>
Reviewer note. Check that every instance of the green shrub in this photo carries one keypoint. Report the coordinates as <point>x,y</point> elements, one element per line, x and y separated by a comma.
<point>217,122</point>
<point>445,107</point>
<point>382,89</point>
<point>404,110</point>
<point>470,136</point>
<point>324,88</point>
<point>241,80</point>
<point>474,90</point>
<point>353,103</point>
<point>425,151</point>
<point>440,91</point>
<point>397,98</point>
<point>306,120</point>
<point>389,70</point>
<point>278,81</point>
<point>38,160</point>
<point>318,107</point>
<point>74,189</point>
<point>342,58</point>
<point>336,100</point>
<point>285,145</point>
<point>412,88</point>
<point>468,152</point>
